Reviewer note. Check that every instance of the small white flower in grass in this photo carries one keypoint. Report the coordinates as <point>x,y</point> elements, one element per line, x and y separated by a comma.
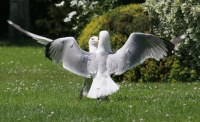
<point>130,106</point>
<point>167,115</point>
<point>11,62</point>
<point>60,4</point>
<point>184,104</point>
<point>52,112</point>
<point>41,111</point>
<point>141,120</point>
<point>195,88</point>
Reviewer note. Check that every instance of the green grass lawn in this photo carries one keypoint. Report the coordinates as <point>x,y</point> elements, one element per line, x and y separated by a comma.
<point>32,88</point>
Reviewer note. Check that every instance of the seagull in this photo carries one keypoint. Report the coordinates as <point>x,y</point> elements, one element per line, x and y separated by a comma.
<point>103,62</point>
<point>93,43</point>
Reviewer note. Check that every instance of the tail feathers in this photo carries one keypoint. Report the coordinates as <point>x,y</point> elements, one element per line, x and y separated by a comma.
<point>102,87</point>
<point>178,40</point>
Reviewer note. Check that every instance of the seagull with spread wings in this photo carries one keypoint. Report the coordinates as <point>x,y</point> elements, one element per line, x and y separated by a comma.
<point>100,64</point>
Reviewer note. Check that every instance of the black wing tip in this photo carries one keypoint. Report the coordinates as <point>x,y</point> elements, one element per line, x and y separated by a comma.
<point>47,51</point>
<point>170,47</point>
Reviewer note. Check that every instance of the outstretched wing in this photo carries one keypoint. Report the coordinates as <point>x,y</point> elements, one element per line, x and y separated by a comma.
<point>73,58</point>
<point>40,39</point>
<point>65,51</point>
<point>136,50</point>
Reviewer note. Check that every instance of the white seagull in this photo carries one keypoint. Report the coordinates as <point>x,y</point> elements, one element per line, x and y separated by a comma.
<point>101,63</point>
<point>93,43</point>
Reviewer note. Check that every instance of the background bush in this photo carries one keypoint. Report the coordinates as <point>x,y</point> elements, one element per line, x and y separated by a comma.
<point>121,22</point>
<point>68,18</point>
<point>173,18</point>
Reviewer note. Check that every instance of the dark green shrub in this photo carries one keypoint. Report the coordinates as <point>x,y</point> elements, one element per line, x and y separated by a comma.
<point>172,18</point>
<point>180,73</point>
<point>120,22</point>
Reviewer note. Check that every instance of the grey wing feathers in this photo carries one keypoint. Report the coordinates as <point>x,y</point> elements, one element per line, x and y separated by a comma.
<point>73,58</point>
<point>178,39</point>
<point>54,50</point>
<point>136,50</point>
<point>40,39</point>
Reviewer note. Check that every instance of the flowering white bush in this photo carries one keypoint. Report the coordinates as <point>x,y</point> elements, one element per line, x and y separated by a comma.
<point>171,18</point>
<point>174,17</point>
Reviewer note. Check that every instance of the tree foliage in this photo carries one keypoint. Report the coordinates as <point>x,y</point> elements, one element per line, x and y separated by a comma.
<point>68,18</point>
<point>120,22</point>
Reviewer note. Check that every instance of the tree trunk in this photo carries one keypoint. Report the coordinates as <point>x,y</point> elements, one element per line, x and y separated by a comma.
<point>19,14</point>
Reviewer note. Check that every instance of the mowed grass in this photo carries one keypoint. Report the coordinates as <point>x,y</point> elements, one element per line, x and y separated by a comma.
<point>32,88</point>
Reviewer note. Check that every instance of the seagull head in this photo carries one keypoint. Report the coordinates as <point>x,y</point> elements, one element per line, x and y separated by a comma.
<point>93,43</point>
<point>104,41</point>
<point>104,36</point>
